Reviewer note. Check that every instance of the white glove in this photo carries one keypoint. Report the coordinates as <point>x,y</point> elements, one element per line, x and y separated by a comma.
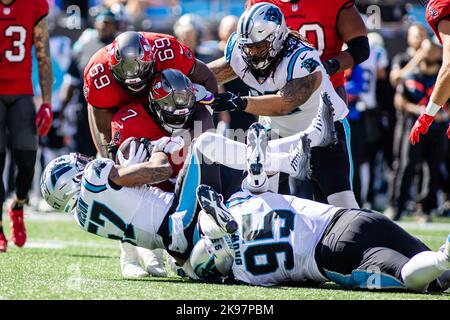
<point>134,157</point>
<point>168,145</point>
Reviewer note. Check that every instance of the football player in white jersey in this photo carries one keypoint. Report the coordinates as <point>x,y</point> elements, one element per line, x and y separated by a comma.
<point>116,201</point>
<point>285,239</point>
<point>286,79</point>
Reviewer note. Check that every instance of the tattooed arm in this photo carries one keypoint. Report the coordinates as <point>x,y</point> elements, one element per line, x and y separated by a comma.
<point>156,170</point>
<point>100,126</point>
<point>295,93</point>
<point>41,43</point>
<point>222,71</point>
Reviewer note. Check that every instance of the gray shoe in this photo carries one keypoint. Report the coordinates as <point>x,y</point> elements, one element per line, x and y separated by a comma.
<point>300,159</point>
<point>324,122</point>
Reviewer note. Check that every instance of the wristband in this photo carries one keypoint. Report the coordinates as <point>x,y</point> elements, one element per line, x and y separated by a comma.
<point>332,66</point>
<point>244,104</point>
<point>432,108</point>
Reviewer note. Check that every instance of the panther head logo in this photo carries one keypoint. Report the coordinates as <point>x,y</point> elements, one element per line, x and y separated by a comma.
<point>310,65</point>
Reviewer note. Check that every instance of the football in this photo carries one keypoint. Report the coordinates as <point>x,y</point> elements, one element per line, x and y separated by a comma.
<point>125,147</point>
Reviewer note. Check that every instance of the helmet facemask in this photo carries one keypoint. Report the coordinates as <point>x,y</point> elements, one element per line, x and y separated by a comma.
<point>212,259</point>
<point>131,61</point>
<point>172,99</point>
<point>61,181</point>
<point>257,55</point>
<point>262,30</point>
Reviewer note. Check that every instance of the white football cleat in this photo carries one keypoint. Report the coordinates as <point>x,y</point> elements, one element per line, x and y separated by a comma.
<point>130,262</point>
<point>212,204</point>
<point>300,159</point>
<point>153,262</point>
<point>257,142</point>
<point>323,122</point>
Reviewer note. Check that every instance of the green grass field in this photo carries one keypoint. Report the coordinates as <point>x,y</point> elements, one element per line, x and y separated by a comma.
<point>60,261</point>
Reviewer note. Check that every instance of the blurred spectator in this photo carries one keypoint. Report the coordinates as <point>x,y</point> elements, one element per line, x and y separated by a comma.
<point>364,118</point>
<point>412,97</point>
<point>136,15</point>
<point>91,40</point>
<point>403,63</point>
<point>190,31</point>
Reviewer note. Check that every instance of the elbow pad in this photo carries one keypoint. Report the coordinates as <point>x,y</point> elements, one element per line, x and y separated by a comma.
<point>359,49</point>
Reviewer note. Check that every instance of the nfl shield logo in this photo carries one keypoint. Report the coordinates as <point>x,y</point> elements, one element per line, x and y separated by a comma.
<point>432,13</point>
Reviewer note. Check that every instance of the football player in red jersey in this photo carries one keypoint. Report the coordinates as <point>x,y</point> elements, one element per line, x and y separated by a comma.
<point>438,16</point>
<point>22,24</point>
<point>173,100</point>
<point>119,74</point>
<point>328,30</point>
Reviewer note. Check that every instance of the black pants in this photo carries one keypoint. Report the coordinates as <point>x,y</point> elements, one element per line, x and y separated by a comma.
<point>364,249</point>
<point>431,150</point>
<point>195,171</point>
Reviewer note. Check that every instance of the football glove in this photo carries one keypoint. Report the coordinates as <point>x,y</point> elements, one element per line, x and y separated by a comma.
<point>44,119</point>
<point>168,145</point>
<point>228,101</point>
<point>134,157</point>
<point>420,127</point>
<point>448,131</point>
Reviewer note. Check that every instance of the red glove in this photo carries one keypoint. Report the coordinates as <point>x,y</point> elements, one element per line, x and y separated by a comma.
<point>44,119</point>
<point>448,131</point>
<point>420,127</point>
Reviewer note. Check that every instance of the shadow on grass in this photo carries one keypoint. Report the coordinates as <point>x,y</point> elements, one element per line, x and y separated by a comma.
<point>89,256</point>
<point>285,286</point>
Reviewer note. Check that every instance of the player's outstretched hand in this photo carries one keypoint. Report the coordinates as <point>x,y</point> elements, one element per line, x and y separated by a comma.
<point>168,145</point>
<point>420,127</point>
<point>134,157</point>
<point>44,119</point>
<point>228,101</point>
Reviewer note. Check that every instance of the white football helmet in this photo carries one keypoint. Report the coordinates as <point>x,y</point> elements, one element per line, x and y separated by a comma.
<point>212,259</point>
<point>262,30</point>
<point>61,181</point>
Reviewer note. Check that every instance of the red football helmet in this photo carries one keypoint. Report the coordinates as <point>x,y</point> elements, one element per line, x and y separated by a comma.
<point>172,99</point>
<point>131,60</point>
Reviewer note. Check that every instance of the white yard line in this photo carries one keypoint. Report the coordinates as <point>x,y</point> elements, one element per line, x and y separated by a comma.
<point>426,226</point>
<point>61,244</point>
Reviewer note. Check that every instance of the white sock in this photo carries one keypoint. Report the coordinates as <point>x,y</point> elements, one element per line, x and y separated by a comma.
<point>279,162</point>
<point>217,148</point>
<point>423,268</point>
<point>344,199</point>
<point>179,241</point>
<point>284,144</point>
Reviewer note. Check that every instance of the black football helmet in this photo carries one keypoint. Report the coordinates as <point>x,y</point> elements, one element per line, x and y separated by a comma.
<point>172,99</point>
<point>131,60</point>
